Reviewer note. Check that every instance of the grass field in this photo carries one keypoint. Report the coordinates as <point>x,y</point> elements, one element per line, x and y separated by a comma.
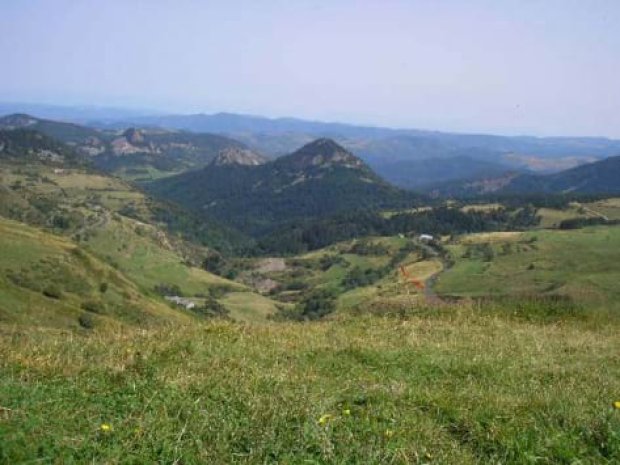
<point>47,280</point>
<point>582,264</point>
<point>606,208</point>
<point>249,306</point>
<point>462,385</point>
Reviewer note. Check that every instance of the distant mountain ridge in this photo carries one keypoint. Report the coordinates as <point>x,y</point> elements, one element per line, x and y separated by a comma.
<point>230,123</point>
<point>380,147</point>
<point>600,177</point>
<point>321,178</point>
<point>424,174</point>
<point>134,151</point>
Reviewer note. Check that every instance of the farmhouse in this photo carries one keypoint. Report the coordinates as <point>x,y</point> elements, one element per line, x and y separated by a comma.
<point>181,302</point>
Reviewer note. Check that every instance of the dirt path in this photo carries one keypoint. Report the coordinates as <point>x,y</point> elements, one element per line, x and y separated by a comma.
<point>429,291</point>
<point>429,284</point>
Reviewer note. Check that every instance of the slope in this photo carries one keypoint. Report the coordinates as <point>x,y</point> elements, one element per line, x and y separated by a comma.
<point>599,177</point>
<point>47,280</point>
<point>422,174</point>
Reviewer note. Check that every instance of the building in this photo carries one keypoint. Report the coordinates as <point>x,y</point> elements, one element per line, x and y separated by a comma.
<point>181,302</point>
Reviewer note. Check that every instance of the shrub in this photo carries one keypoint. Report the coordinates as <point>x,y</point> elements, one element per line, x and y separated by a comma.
<point>212,309</point>
<point>168,289</point>
<point>317,305</point>
<point>52,291</point>
<point>86,321</point>
<point>93,306</point>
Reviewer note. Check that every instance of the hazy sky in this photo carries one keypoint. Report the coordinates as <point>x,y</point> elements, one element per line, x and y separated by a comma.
<point>540,67</point>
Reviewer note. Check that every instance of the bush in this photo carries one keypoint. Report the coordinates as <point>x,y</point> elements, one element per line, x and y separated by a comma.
<point>165,289</point>
<point>317,305</point>
<point>93,306</point>
<point>296,286</point>
<point>52,291</point>
<point>212,309</point>
<point>577,223</point>
<point>86,321</point>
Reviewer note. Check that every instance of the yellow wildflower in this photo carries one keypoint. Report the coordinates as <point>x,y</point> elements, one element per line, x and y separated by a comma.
<point>105,427</point>
<point>388,433</point>
<point>325,419</point>
<point>617,404</point>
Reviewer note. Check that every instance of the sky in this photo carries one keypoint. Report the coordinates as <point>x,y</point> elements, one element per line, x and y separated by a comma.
<point>544,67</point>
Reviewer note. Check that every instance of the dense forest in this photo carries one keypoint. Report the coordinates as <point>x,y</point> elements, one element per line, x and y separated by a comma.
<point>314,234</point>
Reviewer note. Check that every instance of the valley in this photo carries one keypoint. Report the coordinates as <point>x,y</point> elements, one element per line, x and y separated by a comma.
<point>309,232</point>
<point>298,308</point>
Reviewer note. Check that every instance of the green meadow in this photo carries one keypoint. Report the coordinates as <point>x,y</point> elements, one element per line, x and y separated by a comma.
<point>581,264</point>
<point>464,384</point>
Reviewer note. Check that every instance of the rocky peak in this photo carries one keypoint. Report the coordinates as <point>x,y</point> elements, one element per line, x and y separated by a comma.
<point>134,136</point>
<point>323,153</point>
<point>238,156</point>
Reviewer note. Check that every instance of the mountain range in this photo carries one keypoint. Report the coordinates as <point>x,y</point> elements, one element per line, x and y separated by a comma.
<point>145,148</point>
<point>134,153</point>
<point>274,137</point>
<point>376,145</point>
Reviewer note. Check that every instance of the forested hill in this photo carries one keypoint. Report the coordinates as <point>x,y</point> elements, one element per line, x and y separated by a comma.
<point>600,177</point>
<point>593,178</point>
<point>29,146</point>
<point>321,178</point>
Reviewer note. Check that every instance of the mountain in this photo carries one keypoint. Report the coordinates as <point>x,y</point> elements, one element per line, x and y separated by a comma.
<point>421,174</point>
<point>69,133</point>
<point>319,179</point>
<point>133,152</point>
<point>593,178</point>
<point>81,114</point>
<point>150,152</point>
<point>30,146</point>
<point>600,177</point>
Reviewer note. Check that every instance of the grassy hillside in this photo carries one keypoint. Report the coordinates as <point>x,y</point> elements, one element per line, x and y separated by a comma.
<point>115,223</point>
<point>465,385</point>
<point>47,280</point>
<point>608,209</point>
<point>582,264</point>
